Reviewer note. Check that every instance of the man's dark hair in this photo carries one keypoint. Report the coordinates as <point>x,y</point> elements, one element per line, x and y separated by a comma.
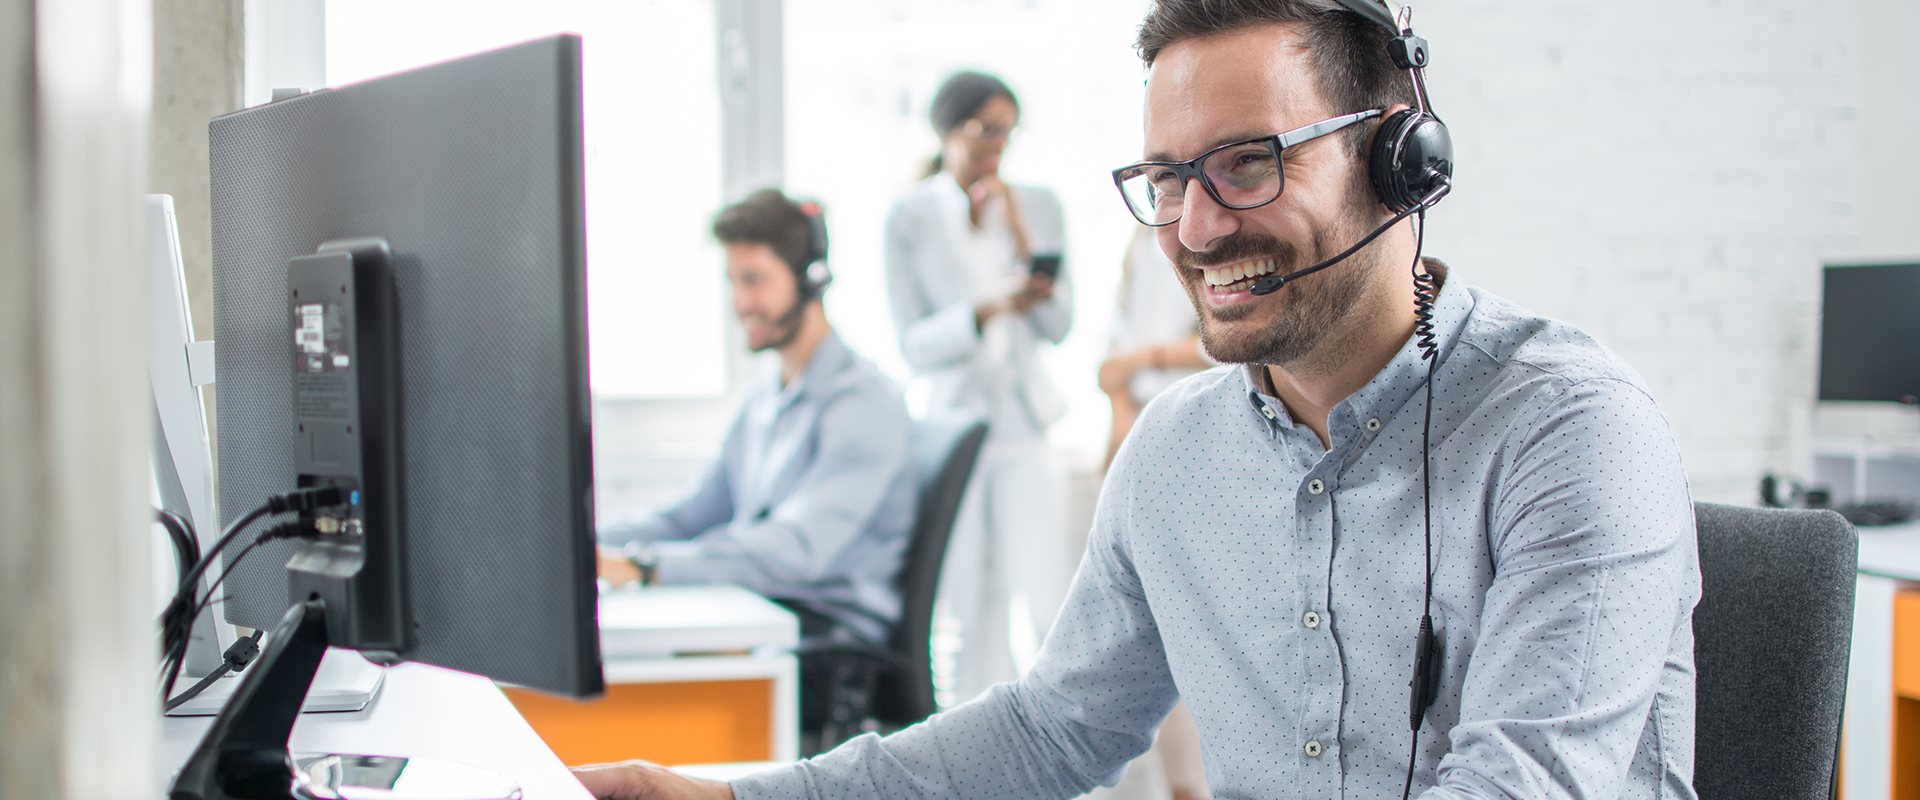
<point>770,218</point>
<point>1349,52</point>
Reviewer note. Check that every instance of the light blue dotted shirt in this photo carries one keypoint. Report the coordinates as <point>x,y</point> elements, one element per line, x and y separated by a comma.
<point>1275,585</point>
<point>810,501</point>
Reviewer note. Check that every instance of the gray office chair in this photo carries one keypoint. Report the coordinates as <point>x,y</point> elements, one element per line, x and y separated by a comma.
<point>894,685</point>
<point>1771,639</point>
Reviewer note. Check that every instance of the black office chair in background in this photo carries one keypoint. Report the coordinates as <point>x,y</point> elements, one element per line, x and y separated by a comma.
<point>894,685</point>
<point>1772,635</point>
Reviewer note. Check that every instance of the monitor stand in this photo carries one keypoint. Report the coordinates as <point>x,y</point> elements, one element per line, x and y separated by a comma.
<point>346,681</point>
<point>244,755</point>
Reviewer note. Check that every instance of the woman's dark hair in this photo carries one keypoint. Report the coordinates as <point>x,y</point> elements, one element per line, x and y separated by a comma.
<point>768,217</point>
<point>1349,52</point>
<point>958,100</point>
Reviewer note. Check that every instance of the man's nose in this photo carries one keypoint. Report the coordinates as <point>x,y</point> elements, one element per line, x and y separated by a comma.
<point>1202,220</point>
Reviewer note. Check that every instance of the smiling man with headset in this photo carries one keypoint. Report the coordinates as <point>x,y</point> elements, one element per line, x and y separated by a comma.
<point>1421,542</point>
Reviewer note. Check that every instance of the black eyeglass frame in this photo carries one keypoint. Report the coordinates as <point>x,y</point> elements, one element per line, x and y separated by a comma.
<point>1190,169</point>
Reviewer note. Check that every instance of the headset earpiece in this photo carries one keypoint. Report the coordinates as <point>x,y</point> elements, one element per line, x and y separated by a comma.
<point>815,276</point>
<point>818,278</point>
<point>1411,154</point>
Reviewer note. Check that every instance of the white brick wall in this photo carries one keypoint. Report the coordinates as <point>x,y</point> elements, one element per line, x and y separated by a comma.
<point>1667,176</point>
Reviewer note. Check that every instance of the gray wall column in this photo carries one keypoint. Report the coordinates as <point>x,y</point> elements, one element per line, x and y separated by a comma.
<point>752,126</point>
<point>197,58</point>
<point>752,95</point>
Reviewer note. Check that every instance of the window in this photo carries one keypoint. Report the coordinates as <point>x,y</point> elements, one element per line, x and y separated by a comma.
<point>652,127</point>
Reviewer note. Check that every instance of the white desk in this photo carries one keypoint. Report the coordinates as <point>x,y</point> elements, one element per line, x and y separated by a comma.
<point>421,712</point>
<point>662,621</point>
<point>1888,555</point>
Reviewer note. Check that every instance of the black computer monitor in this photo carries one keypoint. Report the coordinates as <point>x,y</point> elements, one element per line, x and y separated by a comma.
<point>1870,333</point>
<point>454,192</point>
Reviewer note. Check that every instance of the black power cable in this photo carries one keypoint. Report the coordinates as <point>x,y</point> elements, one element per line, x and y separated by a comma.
<point>186,548</point>
<point>237,658</point>
<point>177,620</point>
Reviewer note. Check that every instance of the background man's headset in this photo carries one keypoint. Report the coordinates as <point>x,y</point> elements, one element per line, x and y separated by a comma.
<point>814,275</point>
<point>1410,166</point>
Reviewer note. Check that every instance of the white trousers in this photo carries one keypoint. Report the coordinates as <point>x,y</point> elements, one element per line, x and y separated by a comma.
<point>1006,571</point>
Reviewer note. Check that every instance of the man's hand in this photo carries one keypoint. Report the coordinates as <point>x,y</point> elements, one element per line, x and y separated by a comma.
<point>614,568</point>
<point>642,780</point>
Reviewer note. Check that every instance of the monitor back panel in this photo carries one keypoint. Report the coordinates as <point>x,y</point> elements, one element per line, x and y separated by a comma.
<point>471,169</point>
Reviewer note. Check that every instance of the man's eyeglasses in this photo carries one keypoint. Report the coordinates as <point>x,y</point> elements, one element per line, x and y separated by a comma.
<point>1239,176</point>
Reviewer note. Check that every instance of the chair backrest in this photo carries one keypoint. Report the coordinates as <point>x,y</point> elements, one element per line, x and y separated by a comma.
<point>944,451</point>
<point>1772,635</point>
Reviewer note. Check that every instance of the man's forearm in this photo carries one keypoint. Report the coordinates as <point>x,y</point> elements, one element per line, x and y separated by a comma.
<point>999,745</point>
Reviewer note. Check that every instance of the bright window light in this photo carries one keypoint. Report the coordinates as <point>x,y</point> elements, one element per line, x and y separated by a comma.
<point>652,118</point>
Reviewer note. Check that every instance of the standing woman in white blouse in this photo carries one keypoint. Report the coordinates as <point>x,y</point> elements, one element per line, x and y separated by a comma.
<point>972,316</point>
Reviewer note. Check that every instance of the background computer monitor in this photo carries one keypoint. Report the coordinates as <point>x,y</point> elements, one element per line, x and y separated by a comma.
<point>471,172</point>
<point>182,467</point>
<point>1870,333</point>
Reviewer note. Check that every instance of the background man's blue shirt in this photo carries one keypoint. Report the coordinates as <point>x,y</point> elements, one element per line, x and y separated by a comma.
<point>811,500</point>
<point>1275,585</point>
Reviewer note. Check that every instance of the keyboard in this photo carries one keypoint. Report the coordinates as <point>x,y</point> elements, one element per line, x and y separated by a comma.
<point>1880,512</point>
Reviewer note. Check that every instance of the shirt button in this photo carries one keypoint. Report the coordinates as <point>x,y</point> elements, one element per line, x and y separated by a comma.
<point>1373,424</point>
<point>1313,749</point>
<point>1267,410</point>
<point>1315,486</point>
<point>1312,619</point>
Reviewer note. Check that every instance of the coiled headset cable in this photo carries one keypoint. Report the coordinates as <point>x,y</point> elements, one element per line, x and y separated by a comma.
<point>1425,684</point>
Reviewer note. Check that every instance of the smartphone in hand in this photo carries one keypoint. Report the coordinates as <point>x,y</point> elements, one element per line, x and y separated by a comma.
<point>1046,265</point>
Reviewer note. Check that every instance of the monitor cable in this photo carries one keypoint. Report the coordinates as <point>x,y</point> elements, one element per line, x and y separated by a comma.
<point>186,544</point>
<point>176,621</point>
<point>237,657</point>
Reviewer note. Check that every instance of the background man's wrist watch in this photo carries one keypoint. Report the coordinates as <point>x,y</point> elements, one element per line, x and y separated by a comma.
<point>643,559</point>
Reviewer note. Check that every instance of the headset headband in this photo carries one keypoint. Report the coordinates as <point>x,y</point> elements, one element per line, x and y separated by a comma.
<point>1372,11</point>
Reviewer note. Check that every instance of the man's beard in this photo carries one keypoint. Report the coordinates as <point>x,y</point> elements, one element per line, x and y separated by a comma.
<point>785,327</point>
<point>1308,317</point>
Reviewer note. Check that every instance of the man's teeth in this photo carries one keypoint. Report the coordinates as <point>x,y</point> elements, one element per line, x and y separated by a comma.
<point>1227,276</point>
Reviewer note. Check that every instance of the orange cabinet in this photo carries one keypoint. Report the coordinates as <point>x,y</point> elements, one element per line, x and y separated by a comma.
<point>1906,694</point>
<point>695,722</point>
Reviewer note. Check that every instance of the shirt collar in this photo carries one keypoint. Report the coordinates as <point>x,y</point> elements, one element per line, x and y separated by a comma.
<point>1391,387</point>
<point>829,358</point>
